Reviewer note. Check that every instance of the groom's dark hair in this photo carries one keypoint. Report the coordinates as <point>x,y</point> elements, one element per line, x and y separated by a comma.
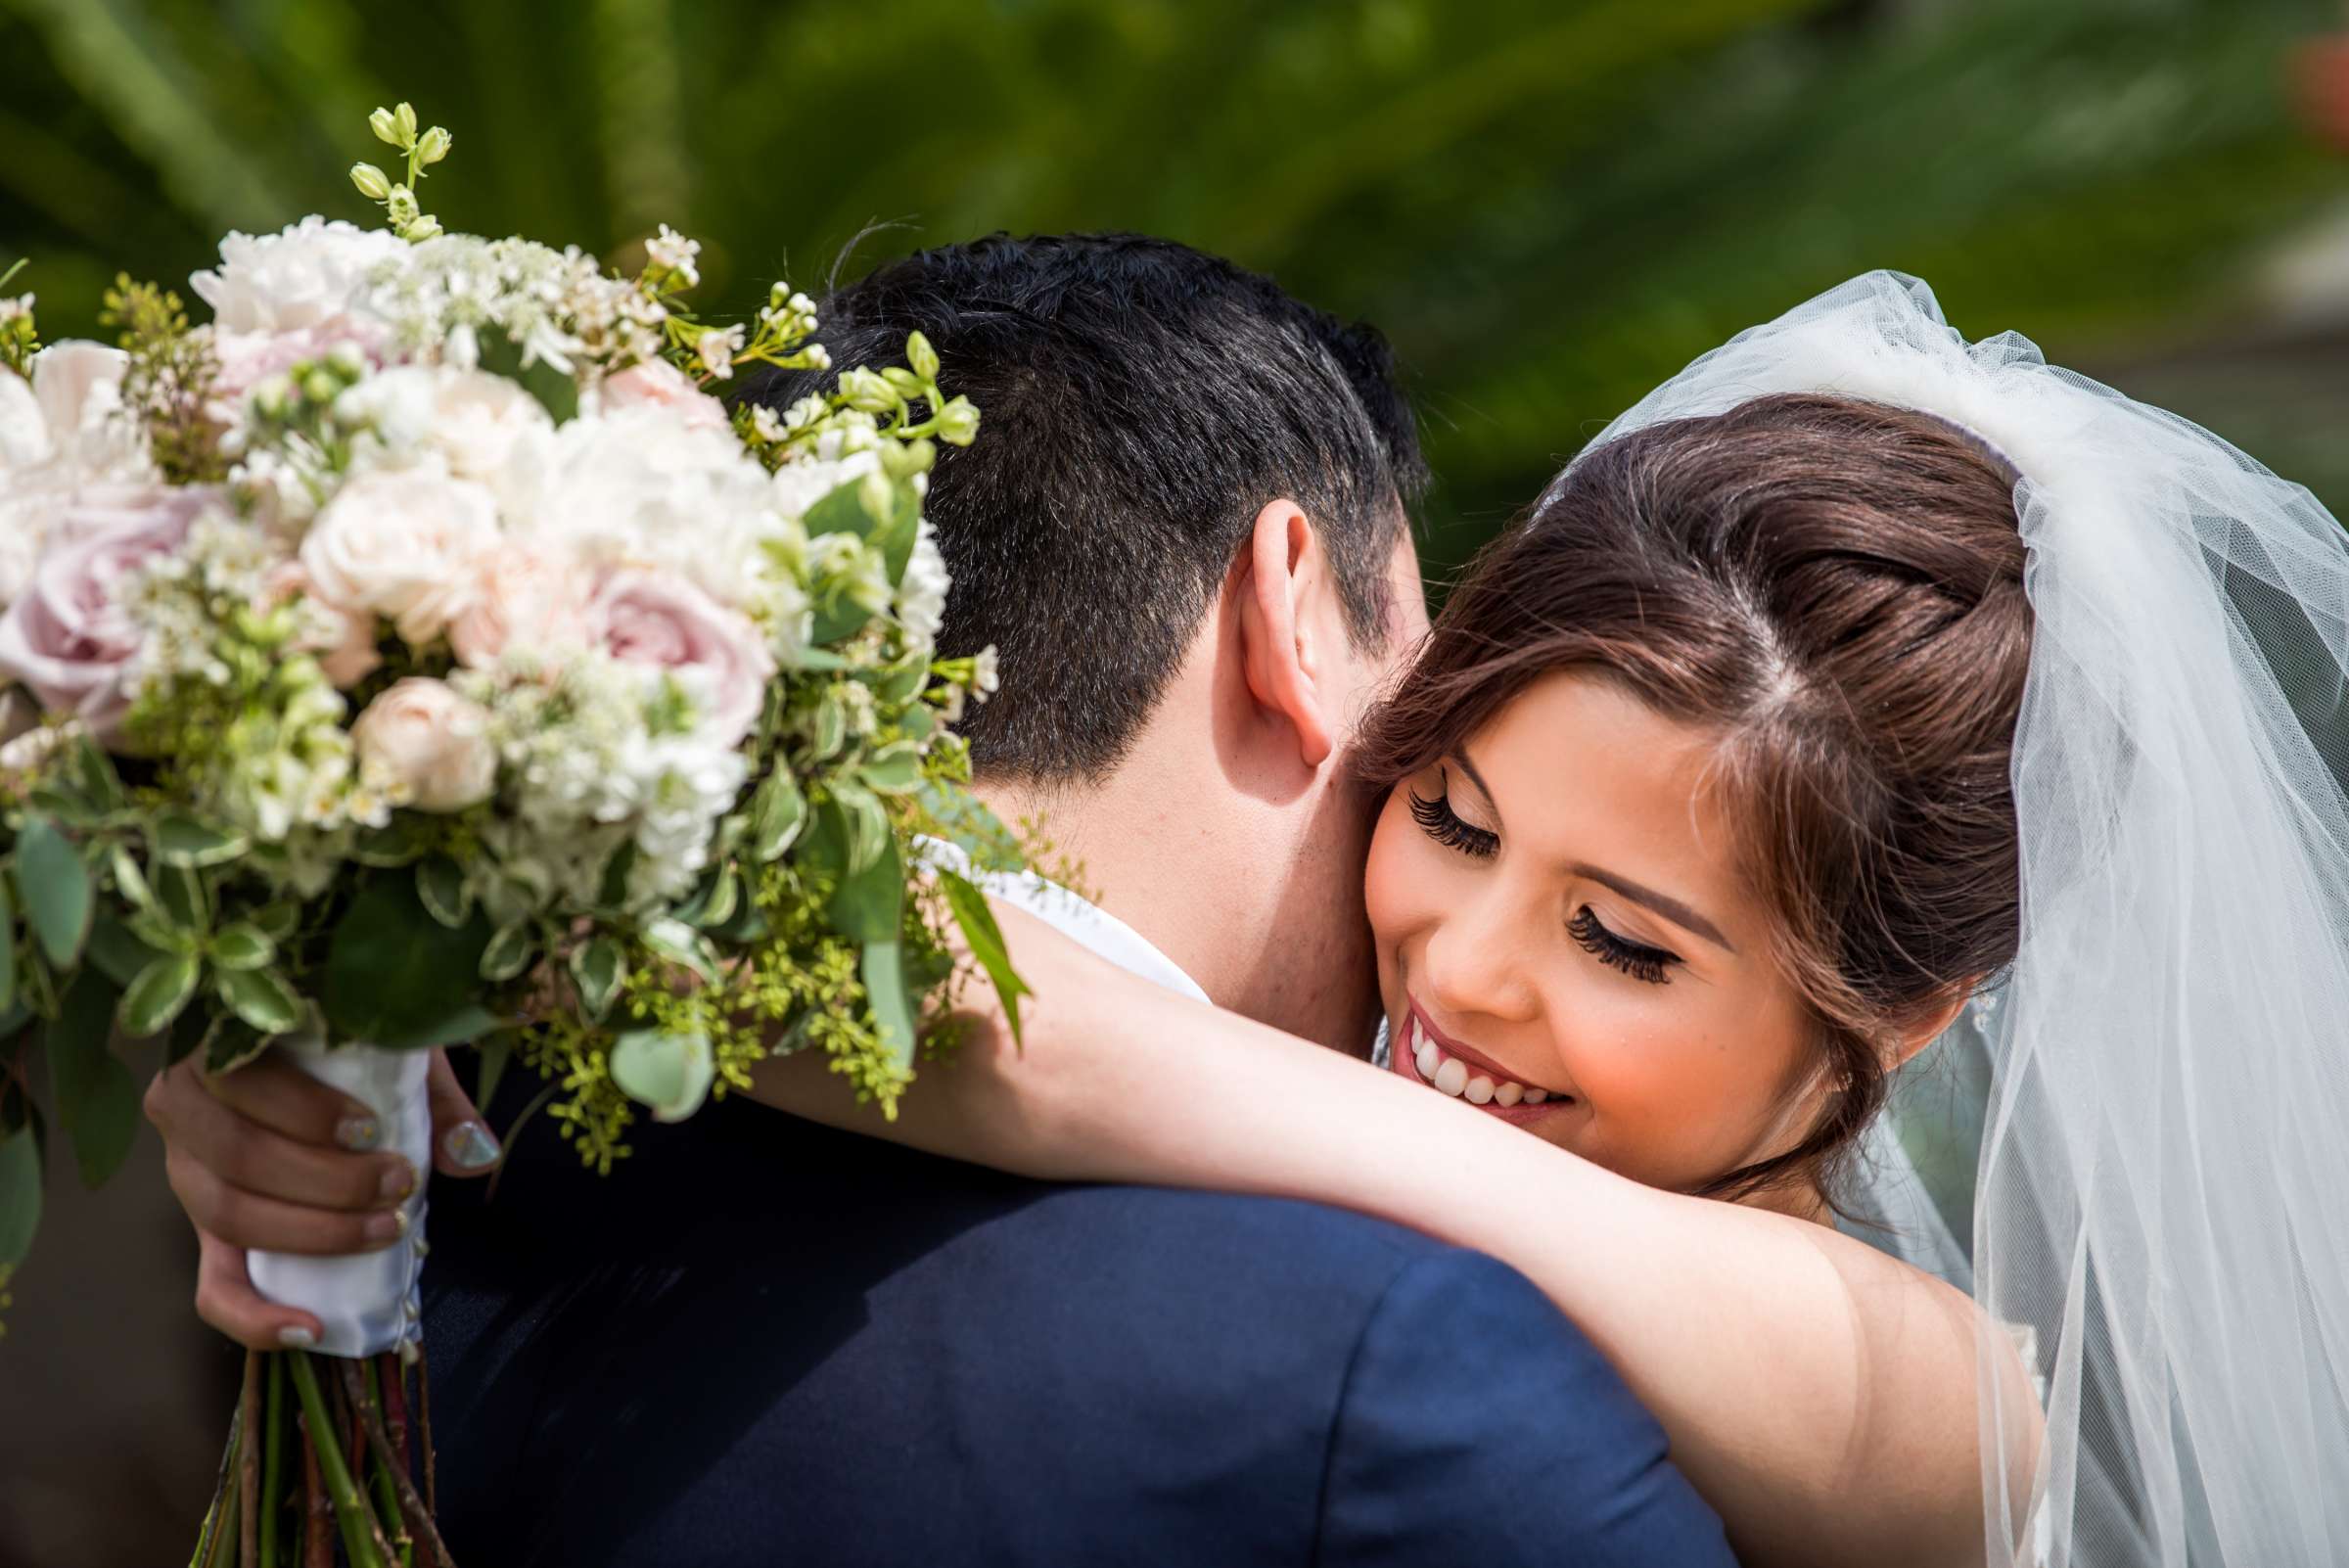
<point>1140,402</point>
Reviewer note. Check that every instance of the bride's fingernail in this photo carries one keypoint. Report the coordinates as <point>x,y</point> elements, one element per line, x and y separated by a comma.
<point>470,1145</point>
<point>296,1338</point>
<point>398,1180</point>
<point>387,1226</point>
<point>358,1133</point>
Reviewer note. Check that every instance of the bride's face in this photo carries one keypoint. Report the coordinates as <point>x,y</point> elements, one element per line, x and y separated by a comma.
<point>1562,940</point>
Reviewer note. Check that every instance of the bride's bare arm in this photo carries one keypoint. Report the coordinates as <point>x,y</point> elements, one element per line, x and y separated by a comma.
<point>1819,1394</point>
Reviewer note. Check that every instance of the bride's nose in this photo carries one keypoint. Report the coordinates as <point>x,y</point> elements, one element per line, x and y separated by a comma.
<point>1477,961</point>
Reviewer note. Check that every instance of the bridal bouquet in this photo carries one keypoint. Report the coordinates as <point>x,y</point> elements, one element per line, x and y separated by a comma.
<point>417,653</point>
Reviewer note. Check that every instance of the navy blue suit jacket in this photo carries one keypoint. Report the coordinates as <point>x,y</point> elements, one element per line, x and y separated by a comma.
<point>763,1342</point>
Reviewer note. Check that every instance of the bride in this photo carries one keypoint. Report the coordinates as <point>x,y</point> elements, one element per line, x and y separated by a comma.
<point>1860,694</point>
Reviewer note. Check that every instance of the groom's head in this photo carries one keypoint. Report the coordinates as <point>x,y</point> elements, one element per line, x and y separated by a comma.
<point>1183,530</point>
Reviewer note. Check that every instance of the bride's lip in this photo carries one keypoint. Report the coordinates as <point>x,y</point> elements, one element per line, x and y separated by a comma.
<point>1402,1059</point>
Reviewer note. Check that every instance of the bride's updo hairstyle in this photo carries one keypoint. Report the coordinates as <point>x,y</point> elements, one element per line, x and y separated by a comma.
<point>1834,588</point>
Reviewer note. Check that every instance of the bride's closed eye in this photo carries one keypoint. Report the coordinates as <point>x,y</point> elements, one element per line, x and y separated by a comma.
<point>1635,959</point>
<point>1445,825</point>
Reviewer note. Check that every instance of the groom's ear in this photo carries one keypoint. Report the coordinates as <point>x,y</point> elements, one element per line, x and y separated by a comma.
<point>1281,578</point>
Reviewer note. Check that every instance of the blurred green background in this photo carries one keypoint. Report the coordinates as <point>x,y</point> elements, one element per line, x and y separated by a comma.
<point>1548,206</point>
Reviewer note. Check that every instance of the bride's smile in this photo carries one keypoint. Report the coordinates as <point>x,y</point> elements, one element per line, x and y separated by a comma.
<point>1564,941</point>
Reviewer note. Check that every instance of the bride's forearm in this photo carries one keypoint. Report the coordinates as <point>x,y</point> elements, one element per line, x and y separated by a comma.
<point>1820,1394</point>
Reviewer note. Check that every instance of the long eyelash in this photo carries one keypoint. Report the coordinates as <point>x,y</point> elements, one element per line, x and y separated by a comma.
<point>1443,825</point>
<point>1633,958</point>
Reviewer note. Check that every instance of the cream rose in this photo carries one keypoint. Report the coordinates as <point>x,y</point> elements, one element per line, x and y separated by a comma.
<point>526,597</point>
<point>660,620</point>
<point>405,544</point>
<point>430,739</point>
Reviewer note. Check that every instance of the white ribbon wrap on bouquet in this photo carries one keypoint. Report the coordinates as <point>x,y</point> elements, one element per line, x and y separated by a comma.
<point>368,1302</point>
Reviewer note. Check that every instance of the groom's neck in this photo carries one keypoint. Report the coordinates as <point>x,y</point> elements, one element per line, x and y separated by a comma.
<point>1259,902</point>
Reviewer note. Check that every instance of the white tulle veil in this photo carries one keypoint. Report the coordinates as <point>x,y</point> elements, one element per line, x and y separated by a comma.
<point>2161,1213</point>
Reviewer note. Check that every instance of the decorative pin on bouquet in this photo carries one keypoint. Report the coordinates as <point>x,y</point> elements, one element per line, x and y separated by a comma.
<point>418,654</point>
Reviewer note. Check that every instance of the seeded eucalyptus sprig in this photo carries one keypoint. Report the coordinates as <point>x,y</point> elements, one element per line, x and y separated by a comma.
<point>396,127</point>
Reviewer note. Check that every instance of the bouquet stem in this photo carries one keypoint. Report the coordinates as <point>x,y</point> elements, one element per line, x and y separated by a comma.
<point>354,1473</point>
<point>248,1464</point>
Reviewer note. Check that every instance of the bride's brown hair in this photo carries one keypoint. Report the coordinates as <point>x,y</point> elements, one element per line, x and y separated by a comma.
<point>1834,588</point>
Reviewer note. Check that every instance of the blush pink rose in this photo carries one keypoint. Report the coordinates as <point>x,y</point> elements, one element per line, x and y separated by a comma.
<point>70,636</point>
<point>436,742</point>
<point>524,596</point>
<point>660,620</point>
<point>248,358</point>
<point>658,384</point>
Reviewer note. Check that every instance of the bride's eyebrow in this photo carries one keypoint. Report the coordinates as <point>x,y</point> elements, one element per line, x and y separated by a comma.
<point>1663,903</point>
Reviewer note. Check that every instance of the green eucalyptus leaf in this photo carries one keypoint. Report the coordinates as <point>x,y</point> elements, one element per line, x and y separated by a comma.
<point>595,966</point>
<point>183,840</point>
<point>158,993</point>
<point>508,953</point>
<point>902,683</point>
<point>679,943</point>
<point>19,1195</point>
<point>184,897</point>
<point>397,978</point>
<point>777,811</point>
<point>893,769</point>
<point>54,887</point>
<point>495,1052</point>
<point>440,884</point>
<point>94,772</point>
<point>884,973</point>
<point>845,509</point>
<point>986,941</point>
<point>712,905</point>
<point>129,881</point>
<point>616,871</point>
<point>670,1073</point>
<point>831,724</point>
<point>259,996</point>
<point>869,905</point>
<point>242,946</point>
<point>67,806</point>
<point>867,825</point>
<point>97,1099</point>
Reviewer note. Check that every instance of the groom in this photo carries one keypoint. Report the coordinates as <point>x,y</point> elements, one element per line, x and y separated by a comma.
<point>1183,530</point>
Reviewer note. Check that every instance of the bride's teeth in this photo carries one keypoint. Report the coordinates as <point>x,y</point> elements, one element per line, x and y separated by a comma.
<point>1508,1093</point>
<point>1536,1097</point>
<point>1479,1090</point>
<point>1427,1061</point>
<point>1453,1075</point>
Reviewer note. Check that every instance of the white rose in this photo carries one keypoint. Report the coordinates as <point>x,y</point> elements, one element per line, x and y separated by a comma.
<point>644,486</point>
<point>431,740</point>
<point>922,590</point>
<point>304,276</point>
<point>405,544</point>
<point>471,419</point>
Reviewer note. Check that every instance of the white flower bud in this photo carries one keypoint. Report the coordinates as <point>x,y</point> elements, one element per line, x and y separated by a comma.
<point>421,230</point>
<point>867,391</point>
<point>433,145</point>
<point>920,357</point>
<point>401,206</point>
<point>958,422</point>
<point>385,128</point>
<point>373,183</point>
<point>405,116</point>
